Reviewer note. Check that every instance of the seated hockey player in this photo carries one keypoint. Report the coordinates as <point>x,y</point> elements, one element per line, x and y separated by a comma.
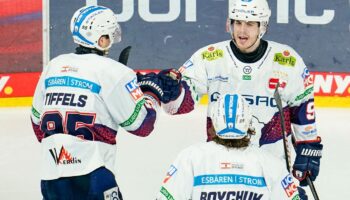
<point>80,102</point>
<point>228,167</point>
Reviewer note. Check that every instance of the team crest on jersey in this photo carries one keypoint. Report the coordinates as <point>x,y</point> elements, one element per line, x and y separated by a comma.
<point>134,90</point>
<point>212,54</point>
<point>285,59</point>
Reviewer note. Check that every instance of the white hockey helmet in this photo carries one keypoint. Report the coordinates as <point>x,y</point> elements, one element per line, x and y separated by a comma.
<point>231,116</point>
<point>89,23</point>
<point>251,10</point>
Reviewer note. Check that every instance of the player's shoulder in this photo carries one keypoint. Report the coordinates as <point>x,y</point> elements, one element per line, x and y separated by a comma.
<point>214,47</point>
<point>266,158</point>
<point>196,150</point>
<point>283,49</point>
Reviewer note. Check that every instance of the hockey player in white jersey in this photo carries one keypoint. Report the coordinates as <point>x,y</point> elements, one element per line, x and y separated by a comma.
<point>251,66</point>
<point>228,167</point>
<point>80,102</point>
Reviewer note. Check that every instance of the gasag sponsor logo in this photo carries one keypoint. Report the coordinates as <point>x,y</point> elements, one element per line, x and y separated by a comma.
<point>260,100</point>
<point>285,59</point>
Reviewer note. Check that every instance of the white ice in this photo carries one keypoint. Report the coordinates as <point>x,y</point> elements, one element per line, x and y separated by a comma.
<point>143,162</point>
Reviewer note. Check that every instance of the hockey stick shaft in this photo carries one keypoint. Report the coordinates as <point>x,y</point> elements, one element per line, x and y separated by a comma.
<point>285,144</point>
<point>124,55</point>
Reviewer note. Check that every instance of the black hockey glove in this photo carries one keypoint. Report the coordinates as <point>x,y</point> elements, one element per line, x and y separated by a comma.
<point>171,84</point>
<point>307,161</point>
<point>150,83</point>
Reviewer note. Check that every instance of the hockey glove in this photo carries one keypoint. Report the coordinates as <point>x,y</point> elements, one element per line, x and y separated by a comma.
<point>151,84</point>
<point>302,194</point>
<point>307,161</point>
<point>171,84</point>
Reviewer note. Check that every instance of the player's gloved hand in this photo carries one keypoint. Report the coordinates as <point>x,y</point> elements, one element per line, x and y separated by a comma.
<point>302,193</point>
<point>171,84</point>
<point>151,84</point>
<point>307,161</point>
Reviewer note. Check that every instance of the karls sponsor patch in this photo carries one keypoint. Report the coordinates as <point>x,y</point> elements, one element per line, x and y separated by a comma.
<point>212,54</point>
<point>135,91</point>
<point>285,59</point>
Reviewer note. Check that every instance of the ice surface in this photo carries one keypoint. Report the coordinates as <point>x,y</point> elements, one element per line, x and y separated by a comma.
<point>143,162</point>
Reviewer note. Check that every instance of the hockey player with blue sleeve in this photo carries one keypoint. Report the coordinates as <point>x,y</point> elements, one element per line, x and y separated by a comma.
<point>228,167</point>
<point>80,102</point>
<point>248,65</point>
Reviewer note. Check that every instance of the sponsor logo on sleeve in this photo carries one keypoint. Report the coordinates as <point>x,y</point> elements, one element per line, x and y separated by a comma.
<point>304,94</point>
<point>288,185</point>
<point>135,91</point>
<point>166,194</point>
<point>285,59</point>
<point>185,66</point>
<point>308,79</point>
<point>212,54</point>
<point>172,170</point>
<point>309,130</point>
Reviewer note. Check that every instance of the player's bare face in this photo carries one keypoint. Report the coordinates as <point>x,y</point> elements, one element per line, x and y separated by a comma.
<point>245,35</point>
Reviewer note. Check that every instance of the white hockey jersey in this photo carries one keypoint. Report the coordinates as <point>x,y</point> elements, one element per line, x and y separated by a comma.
<point>79,104</point>
<point>209,171</point>
<point>215,70</point>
